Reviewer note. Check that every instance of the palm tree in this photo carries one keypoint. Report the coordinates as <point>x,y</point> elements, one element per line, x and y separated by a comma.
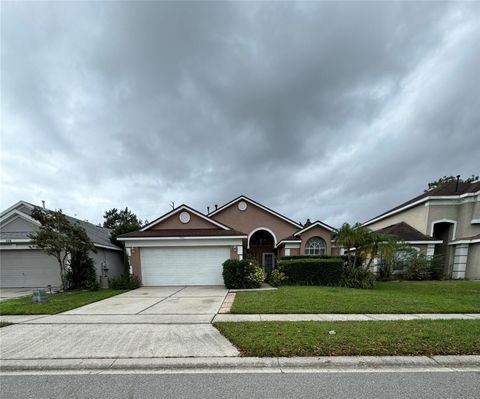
<point>350,237</point>
<point>367,243</point>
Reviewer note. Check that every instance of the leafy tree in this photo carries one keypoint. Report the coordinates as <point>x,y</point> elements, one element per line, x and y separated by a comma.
<point>120,222</point>
<point>60,238</point>
<point>82,273</point>
<point>449,179</point>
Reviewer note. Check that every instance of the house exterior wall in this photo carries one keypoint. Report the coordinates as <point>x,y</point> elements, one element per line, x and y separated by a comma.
<point>113,261</point>
<point>173,222</point>
<point>317,231</point>
<point>252,218</point>
<point>473,262</point>
<point>461,213</point>
<point>18,225</point>
<point>415,217</point>
<point>135,263</point>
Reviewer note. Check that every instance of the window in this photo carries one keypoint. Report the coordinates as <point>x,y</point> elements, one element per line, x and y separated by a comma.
<point>315,246</point>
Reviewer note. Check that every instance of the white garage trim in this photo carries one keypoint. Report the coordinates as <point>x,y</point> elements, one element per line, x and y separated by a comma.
<point>182,242</point>
<point>183,266</point>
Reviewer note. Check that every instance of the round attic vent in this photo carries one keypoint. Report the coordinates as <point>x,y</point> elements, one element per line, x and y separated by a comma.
<point>184,217</point>
<point>242,205</point>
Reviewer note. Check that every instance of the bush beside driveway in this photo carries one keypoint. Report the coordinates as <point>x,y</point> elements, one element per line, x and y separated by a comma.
<point>56,303</point>
<point>386,297</point>
<point>354,338</point>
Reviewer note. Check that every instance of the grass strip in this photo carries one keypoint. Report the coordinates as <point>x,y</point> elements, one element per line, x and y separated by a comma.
<point>386,297</point>
<point>354,338</point>
<point>56,303</point>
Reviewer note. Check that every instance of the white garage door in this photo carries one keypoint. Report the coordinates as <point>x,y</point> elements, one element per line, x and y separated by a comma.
<point>28,268</point>
<point>183,265</point>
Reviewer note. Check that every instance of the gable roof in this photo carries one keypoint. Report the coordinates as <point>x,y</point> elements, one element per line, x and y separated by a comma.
<point>314,224</point>
<point>100,236</point>
<point>445,191</point>
<point>246,199</point>
<point>181,208</point>
<point>173,233</point>
<point>404,232</point>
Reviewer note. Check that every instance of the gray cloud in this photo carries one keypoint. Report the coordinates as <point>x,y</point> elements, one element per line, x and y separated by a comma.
<point>335,111</point>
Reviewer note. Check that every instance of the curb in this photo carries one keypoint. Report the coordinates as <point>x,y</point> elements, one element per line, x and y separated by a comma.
<point>267,364</point>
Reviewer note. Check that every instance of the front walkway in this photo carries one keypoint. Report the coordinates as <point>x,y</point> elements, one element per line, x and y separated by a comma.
<point>344,317</point>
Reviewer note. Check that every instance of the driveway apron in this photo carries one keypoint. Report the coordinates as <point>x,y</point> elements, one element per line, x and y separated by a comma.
<point>146,322</point>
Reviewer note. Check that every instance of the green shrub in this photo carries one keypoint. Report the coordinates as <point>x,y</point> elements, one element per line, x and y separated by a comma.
<point>243,273</point>
<point>357,277</point>
<point>276,278</point>
<point>437,267</point>
<point>82,273</point>
<point>125,282</point>
<point>419,267</point>
<point>312,271</point>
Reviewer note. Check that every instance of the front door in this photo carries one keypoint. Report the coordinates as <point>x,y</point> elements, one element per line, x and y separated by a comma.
<point>268,260</point>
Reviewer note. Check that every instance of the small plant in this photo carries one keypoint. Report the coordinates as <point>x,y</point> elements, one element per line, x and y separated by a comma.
<point>276,278</point>
<point>125,282</point>
<point>243,273</point>
<point>357,277</point>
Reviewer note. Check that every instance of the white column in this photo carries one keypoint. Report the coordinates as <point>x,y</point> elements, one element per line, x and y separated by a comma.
<point>460,261</point>
<point>240,251</point>
<point>287,251</point>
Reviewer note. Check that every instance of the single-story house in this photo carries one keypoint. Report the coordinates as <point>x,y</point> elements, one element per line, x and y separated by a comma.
<point>22,265</point>
<point>187,247</point>
<point>444,221</point>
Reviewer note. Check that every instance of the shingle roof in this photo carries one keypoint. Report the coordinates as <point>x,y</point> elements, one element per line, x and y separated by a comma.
<point>183,233</point>
<point>99,235</point>
<point>404,232</point>
<point>445,190</point>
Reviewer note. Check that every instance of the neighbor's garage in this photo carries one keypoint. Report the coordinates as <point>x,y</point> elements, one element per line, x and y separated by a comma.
<point>183,265</point>
<point>28,268</point>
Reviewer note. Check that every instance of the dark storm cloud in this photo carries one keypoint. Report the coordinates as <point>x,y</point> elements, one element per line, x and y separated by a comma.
<point>323,110</point>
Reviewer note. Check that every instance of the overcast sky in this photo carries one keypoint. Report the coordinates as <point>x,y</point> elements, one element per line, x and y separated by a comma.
<point>332,111</point>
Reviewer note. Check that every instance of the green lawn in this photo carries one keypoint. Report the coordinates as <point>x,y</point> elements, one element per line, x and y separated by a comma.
<point>56,303</point>
<point>386,297</point>
<point>354,338</point>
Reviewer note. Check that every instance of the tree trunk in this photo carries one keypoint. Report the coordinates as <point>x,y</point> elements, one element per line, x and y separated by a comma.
<point>62,274</point>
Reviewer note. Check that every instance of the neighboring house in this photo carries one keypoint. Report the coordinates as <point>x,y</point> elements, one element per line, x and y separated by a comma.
<point>24,266</point>
<point>443,221</point>
<point>187,247</point>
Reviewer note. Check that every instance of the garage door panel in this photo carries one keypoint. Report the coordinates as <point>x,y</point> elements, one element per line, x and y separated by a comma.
<point>28,268</point>
<point>183,266</point>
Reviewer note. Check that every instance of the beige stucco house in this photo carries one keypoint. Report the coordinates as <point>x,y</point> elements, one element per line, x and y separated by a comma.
<point>187,247</point>
<point>447,222</point>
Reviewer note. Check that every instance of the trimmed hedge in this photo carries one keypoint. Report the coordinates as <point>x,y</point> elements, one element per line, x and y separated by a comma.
<point>312,271</point>
<point>243,273</point>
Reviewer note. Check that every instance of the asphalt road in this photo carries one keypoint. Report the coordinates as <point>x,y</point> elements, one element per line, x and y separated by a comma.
<point>259,385</point>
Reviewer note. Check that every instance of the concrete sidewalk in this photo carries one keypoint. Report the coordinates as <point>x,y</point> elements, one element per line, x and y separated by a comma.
<point>242,364</point>
<point>345,317</point>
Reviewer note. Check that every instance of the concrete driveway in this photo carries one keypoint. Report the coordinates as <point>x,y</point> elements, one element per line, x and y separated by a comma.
<point>147,322</point>
<point>9,293</point>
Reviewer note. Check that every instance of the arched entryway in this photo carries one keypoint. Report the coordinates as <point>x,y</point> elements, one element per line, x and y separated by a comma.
<point>444,230</point>
<point>261,246</point>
